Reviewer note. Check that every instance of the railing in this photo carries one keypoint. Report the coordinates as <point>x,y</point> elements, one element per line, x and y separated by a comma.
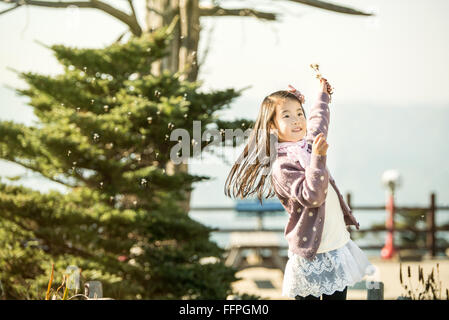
<point>429,211</point>
<point>430,230</point>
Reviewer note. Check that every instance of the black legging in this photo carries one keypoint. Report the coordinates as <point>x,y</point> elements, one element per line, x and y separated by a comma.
<point>337,295</point>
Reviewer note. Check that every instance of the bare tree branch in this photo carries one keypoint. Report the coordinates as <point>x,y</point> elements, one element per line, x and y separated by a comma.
<point>120,37</point>
<point>130,20</point>
<point>10,9</point>
<point>132,9</point>
<point>219,11</point>
<point>52,4</point>
<point>331,7</point>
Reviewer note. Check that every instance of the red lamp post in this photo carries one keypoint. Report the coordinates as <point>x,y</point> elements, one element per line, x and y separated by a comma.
<point>388,251</point>
<point>391,179</point>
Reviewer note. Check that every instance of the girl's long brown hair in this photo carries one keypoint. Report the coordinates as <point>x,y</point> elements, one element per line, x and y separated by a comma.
<point>251,163</point>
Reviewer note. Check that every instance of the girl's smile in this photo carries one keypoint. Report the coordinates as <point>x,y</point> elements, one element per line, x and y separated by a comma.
<point>290,122</point>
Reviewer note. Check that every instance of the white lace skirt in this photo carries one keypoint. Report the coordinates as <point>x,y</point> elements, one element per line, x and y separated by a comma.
<point>328,272</point>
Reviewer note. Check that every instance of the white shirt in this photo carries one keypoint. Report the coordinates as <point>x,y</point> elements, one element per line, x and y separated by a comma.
<point>335,234</point>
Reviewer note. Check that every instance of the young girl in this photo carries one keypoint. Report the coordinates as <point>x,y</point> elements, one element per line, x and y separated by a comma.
<point>323,260</point>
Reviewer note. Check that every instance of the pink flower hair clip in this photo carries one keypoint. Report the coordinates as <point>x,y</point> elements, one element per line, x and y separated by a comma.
<point>297,93</point>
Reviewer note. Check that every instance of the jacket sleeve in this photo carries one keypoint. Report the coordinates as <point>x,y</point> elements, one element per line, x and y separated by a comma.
<point>319,117</point>
<point>307,186</point>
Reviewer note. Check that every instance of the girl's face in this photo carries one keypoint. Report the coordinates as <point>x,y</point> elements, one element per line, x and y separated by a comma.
<point>290,121</point>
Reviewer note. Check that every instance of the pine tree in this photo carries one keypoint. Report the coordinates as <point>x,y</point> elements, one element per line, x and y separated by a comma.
<point>103,131</point>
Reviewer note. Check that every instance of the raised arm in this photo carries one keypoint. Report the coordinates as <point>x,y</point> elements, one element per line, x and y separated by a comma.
<point>319,117</point>
<point>307,186</point>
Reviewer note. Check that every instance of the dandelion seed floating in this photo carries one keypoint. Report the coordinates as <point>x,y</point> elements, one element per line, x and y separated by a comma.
<point>96,137</point>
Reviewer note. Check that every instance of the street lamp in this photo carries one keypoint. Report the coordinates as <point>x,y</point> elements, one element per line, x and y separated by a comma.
<point>391,179</point>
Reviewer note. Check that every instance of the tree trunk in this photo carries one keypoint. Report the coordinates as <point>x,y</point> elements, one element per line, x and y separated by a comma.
<point>183,50</point>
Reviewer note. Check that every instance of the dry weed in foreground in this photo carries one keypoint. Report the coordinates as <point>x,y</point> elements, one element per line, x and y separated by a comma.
<point>55,295</point>
<point>428,289</point>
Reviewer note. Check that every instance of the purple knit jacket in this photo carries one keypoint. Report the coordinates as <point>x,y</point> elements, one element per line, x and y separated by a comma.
<point>302,191</point>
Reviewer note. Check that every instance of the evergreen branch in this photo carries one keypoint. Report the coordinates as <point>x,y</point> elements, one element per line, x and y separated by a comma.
<point>36,169</point>
<point>60,248</point>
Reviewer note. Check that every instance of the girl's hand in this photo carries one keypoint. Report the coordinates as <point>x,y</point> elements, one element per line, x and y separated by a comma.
<point>298,94</point>
<point>325,86</point>
<point>319,145</point>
